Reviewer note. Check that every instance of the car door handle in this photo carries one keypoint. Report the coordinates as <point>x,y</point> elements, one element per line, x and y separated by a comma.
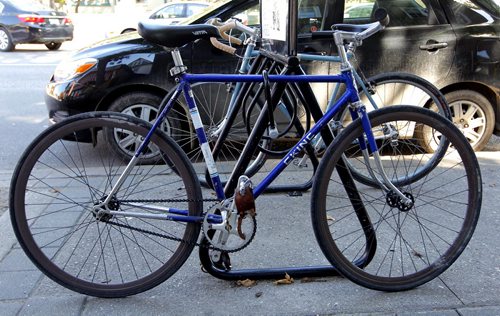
<point>433,45</point>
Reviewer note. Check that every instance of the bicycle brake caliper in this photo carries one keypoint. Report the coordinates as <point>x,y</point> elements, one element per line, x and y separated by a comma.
<point>244,201</point>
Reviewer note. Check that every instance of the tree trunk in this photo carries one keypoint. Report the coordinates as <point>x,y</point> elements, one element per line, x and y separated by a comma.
<point>77,5</point>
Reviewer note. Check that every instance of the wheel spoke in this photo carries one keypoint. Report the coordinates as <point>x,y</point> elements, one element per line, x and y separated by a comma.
<point>58,206</point>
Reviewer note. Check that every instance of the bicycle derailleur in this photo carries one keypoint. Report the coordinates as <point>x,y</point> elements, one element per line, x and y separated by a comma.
<point>237,226</point>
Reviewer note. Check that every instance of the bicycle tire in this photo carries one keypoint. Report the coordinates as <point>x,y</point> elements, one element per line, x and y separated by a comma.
<point>64,173</point>
<point>413,244</point>
<point>396,88</point>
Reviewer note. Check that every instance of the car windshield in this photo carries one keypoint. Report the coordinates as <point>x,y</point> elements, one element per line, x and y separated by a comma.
<point>28,5</point>
<point>203,12</point>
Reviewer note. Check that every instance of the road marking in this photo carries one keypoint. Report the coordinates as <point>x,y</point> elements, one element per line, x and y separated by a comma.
<point>26,65</point>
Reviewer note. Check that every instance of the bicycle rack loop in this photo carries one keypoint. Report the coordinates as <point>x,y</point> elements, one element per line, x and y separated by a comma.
<point>226,272</point>
<point>259,66</point>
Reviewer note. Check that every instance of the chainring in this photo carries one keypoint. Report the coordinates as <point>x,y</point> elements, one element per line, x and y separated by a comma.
<point>225,236</point>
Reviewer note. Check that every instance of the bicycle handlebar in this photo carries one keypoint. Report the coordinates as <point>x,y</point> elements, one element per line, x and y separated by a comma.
<point>356,32</point>
<point>223,28</point>
<point>341,32</point>
<point>382,21</point>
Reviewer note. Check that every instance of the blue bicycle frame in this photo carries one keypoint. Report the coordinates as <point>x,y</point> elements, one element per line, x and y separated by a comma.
<point>184,86</point>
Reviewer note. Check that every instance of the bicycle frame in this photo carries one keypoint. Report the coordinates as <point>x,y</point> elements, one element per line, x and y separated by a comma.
<point>350,96</point>
<point>251,52</point>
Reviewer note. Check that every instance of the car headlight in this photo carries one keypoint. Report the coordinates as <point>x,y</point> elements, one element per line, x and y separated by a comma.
<point>69,69</point>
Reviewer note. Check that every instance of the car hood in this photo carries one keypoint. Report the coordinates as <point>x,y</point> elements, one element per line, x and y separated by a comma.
<point>126,43</point>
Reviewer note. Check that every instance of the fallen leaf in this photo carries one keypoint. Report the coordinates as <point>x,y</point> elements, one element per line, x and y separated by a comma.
<point>246,283</point>
<point>287,280</point>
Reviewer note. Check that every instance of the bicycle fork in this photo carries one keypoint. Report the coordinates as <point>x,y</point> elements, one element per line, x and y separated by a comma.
<point>358,110</point>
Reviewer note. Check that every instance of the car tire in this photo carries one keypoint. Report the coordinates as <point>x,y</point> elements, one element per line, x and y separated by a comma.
<point>145,106</point>
<point>6,44</point>
<point>473,114</point>
<point>53,46</point>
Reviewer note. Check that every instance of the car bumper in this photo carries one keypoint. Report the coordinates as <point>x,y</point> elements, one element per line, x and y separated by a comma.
<point>65,99</point>
<point>43,35</point>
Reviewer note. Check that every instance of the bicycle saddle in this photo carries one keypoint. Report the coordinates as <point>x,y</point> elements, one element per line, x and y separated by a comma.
<point>174,35</point>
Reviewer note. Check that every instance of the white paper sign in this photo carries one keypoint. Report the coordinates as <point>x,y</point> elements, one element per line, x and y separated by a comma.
<point>274,19</point>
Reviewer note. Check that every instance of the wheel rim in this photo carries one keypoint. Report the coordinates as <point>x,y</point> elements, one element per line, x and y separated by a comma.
<point>470,119</point>
<point>4,40</point>
<point>81,251</point>
<point>412,245</point>
<point>129,143</point>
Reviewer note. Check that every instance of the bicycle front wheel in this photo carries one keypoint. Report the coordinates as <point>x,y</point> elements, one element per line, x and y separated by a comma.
<point>373,238</point>
<point>389,89</point>
<point>57,188</point>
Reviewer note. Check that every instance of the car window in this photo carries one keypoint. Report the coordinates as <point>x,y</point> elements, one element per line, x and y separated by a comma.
<point>194,8</point>
<point>249,16</point>
<point>214,7</point>
<point>401,12</point>
<point>358,11</point>
<point>467,12</point>
<point>170,12</point>
<point>311,15</point>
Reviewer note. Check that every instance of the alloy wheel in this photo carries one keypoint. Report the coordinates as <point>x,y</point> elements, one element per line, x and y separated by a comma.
<point>470,119</point>
<point>4,40</point>
<point>130,143</point>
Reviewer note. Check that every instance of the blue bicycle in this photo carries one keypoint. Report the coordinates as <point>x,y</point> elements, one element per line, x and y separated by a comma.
<point>229,110</point>
<point>106,226</point>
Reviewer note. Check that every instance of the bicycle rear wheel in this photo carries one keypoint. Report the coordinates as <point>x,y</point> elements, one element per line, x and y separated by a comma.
<point>396,88</point>
<point>410,245</point>
<point>67,171</point>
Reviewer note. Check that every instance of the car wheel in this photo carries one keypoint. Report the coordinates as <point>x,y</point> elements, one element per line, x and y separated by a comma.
<point>53,46</point>
<point>145,106</point>
<point>474,115</point>
<point>6,44</point>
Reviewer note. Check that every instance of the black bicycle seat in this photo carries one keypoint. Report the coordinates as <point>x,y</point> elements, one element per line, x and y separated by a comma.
<point>174,35</point>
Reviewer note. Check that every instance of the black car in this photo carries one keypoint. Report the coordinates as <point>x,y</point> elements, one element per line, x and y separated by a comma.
<point>454,44</point>
<point>23,22</point>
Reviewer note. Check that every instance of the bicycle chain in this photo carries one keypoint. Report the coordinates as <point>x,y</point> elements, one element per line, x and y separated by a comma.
<point>195,244</point>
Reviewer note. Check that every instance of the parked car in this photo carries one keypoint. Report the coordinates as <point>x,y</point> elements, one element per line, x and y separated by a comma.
<point>171,13</point>
<point>453,44</point>
<point>24,22</point>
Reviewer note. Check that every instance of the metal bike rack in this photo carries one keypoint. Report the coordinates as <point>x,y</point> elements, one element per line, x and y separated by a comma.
<point>286,52</point>
<point>228,273</point>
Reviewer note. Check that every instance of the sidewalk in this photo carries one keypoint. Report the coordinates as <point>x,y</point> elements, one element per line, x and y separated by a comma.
<point>470,287</point>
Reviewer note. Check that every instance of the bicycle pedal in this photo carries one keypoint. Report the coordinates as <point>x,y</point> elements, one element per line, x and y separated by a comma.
<point>224,263</point>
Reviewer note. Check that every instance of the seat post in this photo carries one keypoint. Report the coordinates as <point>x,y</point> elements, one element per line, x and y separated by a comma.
<point>179,67</point>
